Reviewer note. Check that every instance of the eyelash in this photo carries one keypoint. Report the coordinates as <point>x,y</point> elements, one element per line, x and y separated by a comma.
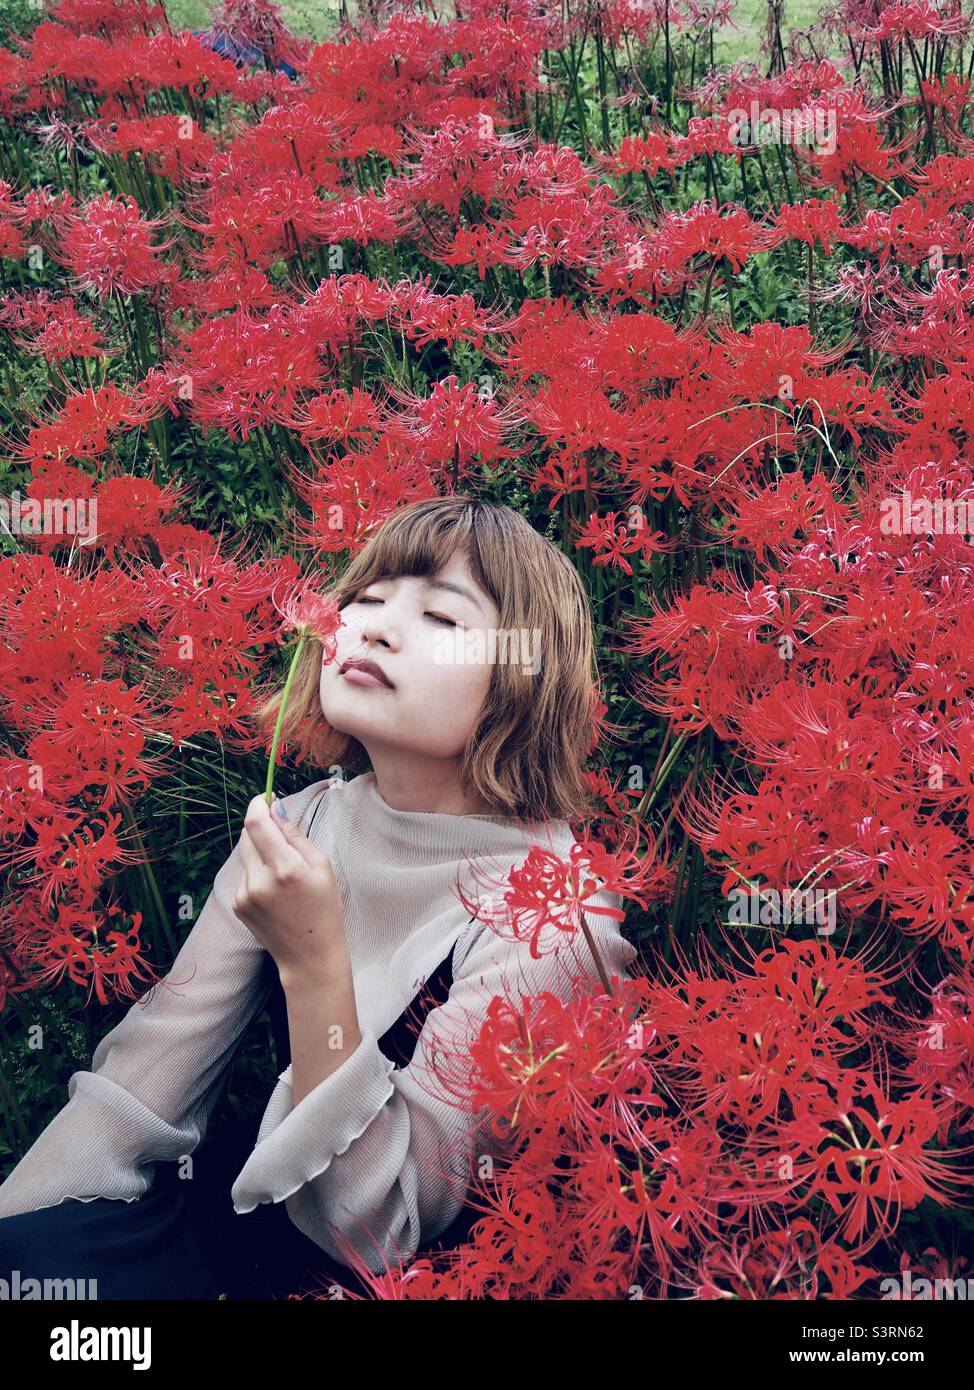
<point>435,616</point>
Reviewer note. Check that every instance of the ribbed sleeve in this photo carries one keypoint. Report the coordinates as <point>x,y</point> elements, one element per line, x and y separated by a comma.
<point>155,1076</point>
<point>295,1145</point>
<point>376,1159</point>
<point>379,1156</point>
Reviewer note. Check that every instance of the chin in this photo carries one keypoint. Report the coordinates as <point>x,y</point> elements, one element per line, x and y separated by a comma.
<point>345,719</point>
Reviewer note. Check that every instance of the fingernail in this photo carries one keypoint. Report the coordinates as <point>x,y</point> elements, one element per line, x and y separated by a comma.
<point>281,810</point>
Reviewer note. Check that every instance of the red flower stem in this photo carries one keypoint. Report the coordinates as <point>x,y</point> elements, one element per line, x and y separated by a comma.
<point>596,955</point>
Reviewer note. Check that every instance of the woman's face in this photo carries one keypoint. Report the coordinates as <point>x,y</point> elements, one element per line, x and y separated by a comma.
<point>432,644</point>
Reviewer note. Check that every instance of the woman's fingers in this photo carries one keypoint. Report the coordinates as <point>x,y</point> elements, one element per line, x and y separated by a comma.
<point>309,853</point>
<point>253,865</point>
<point>269,839</point>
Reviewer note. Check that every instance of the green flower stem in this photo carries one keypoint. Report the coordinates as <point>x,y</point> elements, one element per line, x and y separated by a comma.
<point>657,784</point>
<point>272,760</point>
<point>145,868</point>
<point>12,1113</point>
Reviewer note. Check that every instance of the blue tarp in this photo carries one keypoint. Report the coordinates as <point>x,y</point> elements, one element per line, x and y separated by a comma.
<point>238,51</point>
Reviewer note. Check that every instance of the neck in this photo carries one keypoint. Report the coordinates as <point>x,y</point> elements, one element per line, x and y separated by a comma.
<point>425,785</point>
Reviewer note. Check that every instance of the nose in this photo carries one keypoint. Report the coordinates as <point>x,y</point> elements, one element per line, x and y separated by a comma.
<point>379,625</point>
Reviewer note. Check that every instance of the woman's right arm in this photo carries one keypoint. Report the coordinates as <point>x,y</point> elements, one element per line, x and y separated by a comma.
<point>155,1076</point>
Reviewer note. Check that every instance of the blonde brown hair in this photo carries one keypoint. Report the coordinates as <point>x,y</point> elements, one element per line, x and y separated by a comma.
<point>526,754</point>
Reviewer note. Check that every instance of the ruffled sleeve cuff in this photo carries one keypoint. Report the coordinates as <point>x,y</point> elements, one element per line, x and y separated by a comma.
<point>137,1131</point>
<point>300,1142</point>
<point>103,1143</point>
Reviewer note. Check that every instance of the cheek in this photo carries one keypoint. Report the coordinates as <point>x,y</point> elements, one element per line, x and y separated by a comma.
<point>461,690</point>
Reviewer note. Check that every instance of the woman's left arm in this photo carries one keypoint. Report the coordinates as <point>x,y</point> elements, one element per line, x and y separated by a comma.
<point>322,1023</point>
<point>379,1156</point>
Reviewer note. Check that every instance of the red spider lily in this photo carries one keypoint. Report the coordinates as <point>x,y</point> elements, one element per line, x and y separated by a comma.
<point>793,1263</point>
<point>306,611</point>
<point>613,543</point>
<point>108,246</point>
<point>82,427</point>
<point>335,415</point>
<point>55,328</point>
<point>879,1165</point>
<point>424,317</point>
<point>94,742</point>
<point>76,946</point>
<point>940,1051</point>
<point>452,426</point>
<point>918,18</point>
<point>38,596</point>
<point>309,613</point>
<point>130,510</point>
<point>72,854</point>
<point>814,220</point>
<point>547,891</point>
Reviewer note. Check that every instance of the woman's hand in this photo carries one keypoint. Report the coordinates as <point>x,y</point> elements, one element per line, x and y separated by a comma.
<point>289,898</point>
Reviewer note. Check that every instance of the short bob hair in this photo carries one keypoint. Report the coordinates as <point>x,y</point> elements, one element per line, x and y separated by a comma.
<point>526,754</point>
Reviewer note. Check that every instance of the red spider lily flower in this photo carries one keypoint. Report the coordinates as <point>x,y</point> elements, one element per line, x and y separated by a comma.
<point>107,245</point>
<point>95,741</point>
<point>56,330</point>
<point>336,415</point>
<point>874,1163</point>
<point>612,542</point>
<point>309,613</point>
<point>424,317</point>
<point>783,1264</point>
<point>453,426</point>
<point>916,19</point>
<point>940,1051</point>
<point>547,891</point>
<point>72,854</point>
<point>79,944</point>
<point>56,624</point>
<point>80,429</point>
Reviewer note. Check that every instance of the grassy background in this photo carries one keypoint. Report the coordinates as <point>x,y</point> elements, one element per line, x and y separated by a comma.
<point>318,18</point>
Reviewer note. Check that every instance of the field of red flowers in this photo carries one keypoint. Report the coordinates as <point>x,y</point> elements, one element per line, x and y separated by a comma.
<point>709,328</point>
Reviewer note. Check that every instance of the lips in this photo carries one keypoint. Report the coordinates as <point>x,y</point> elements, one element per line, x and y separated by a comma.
<point>359,663</point>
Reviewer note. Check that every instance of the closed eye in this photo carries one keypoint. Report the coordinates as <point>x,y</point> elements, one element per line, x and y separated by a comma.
<point>437,618</point>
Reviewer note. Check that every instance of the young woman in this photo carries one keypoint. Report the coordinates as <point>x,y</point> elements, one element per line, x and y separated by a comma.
<point>464,676</point>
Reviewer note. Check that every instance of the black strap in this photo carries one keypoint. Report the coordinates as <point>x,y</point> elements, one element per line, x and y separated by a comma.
<point>314,815</point>
<point>398,1043</point>
<point>399,1040</point>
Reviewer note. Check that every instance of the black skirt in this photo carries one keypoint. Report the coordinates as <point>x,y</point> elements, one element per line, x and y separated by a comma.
<point>182,1239</point>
